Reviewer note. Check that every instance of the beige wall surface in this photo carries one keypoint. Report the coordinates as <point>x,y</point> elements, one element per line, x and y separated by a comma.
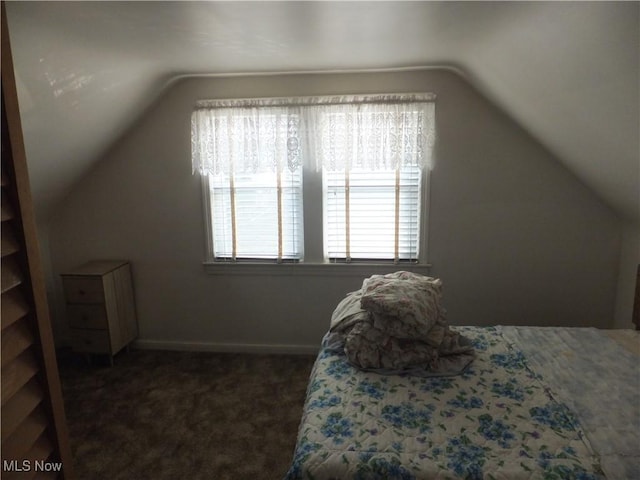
<point>515,237</point>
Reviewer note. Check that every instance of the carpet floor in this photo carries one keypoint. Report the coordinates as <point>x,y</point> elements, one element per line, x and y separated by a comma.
<point>184,415</point>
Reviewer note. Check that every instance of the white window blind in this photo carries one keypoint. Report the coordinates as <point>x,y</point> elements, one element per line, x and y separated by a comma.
<point>257,215</point>
<point>372,215</point>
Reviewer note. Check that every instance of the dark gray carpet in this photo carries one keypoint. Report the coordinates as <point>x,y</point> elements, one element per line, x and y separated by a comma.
<point>184,415</point>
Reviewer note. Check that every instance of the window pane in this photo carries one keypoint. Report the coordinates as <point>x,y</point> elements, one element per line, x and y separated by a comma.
<point>373,222</point>
<point>248,214</point>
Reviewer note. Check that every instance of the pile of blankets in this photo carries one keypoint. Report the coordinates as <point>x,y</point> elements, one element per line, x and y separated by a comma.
<point>395,324</point>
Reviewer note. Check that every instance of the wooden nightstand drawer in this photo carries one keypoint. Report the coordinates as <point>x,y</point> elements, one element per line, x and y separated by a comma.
<point>87,316</point>
<point>90,341</point>
<point>83,289</point>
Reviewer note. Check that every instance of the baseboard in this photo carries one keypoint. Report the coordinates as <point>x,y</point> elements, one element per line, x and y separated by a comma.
<point>226,347</point>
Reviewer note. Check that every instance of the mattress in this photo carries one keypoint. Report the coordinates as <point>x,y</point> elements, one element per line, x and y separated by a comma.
<point>550,403</point>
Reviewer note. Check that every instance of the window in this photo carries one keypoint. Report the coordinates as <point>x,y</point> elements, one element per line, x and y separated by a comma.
<point>368,153</point>
<point>372,214</point>
<point>257,216</point>
<point>250,158</point>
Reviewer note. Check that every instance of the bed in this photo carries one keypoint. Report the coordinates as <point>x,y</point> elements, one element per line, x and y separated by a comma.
<point>536,402</point>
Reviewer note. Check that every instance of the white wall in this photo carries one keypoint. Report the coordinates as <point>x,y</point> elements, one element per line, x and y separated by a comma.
<point>514,236</point>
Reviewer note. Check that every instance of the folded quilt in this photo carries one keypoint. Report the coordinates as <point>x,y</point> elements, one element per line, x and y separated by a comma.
<point>395,324</point>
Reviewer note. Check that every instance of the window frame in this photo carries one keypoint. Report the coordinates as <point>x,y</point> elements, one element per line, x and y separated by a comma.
<point>314,263</point>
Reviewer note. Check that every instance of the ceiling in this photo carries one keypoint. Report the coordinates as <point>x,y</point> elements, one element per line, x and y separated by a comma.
<point>566,71</point>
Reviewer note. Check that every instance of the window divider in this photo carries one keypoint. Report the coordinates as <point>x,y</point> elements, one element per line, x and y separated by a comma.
<point>396,239</point>
<point>347,216</point>
<point>232,200</point>
<point>279,194</point>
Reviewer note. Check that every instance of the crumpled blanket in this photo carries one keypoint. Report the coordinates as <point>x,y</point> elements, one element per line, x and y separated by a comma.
<point>395,324</point>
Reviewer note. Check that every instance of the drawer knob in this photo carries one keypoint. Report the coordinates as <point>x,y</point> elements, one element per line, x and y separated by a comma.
<point>81,292</point>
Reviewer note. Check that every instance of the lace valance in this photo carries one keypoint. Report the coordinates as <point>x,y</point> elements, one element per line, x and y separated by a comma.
<point>333,133</point>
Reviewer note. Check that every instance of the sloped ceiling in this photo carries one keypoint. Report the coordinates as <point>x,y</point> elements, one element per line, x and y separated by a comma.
<point>566,71</point>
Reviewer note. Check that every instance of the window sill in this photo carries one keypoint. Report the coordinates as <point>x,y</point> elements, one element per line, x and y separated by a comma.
<point>312,269</point>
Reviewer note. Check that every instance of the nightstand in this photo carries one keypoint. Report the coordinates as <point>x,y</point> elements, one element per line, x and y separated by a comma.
<point>100,307</point>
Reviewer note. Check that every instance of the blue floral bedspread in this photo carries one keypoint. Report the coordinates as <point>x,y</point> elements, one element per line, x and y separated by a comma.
<point>494,421</point>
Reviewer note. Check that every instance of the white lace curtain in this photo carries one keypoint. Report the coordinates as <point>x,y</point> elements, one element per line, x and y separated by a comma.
<point>332,133</point>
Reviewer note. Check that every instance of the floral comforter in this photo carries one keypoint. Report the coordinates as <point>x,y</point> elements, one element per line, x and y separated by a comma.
<point>494,421</point>
<point>395,324</point>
